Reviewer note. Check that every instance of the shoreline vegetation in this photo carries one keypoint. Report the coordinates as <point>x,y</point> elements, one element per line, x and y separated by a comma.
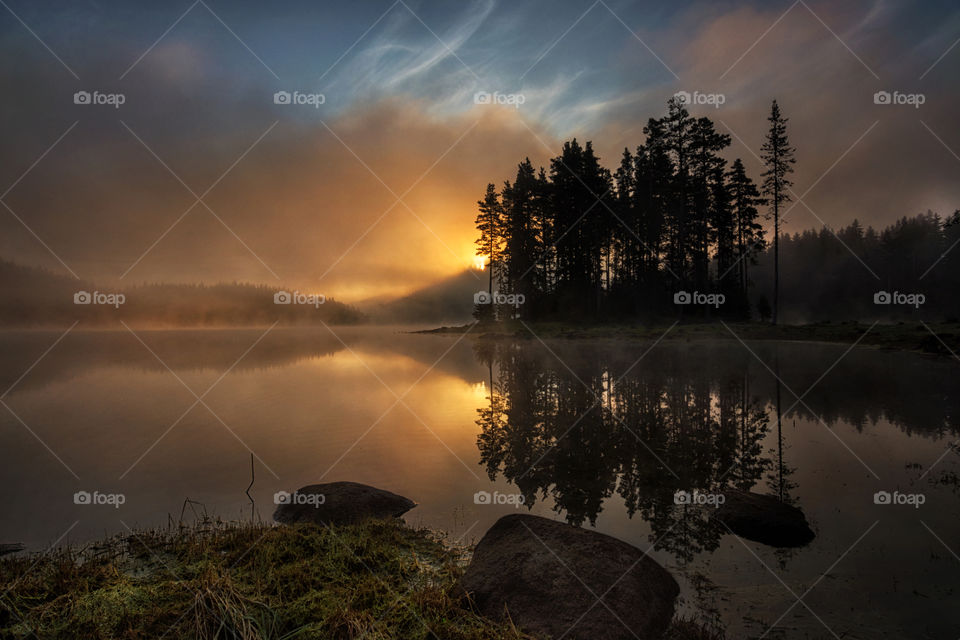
<point>254,581</point>
<point>935,338</point>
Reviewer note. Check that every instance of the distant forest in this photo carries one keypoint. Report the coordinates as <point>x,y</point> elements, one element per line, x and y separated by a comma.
<point>35,297</point>
<point>824,280</point>
<point>581,242</point>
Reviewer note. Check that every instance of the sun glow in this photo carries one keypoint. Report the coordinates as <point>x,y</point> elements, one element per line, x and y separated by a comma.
<point>479,390</point>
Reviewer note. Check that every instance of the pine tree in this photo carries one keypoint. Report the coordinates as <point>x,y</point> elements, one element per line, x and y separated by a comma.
<point>520,233</point>
<point>749,232</point>
<point>708,194</point>
<point>655,191</point>
<point>489,222</point>
<point>777,154</point>
<point>569,209</point>
<point>624,246</point>
<point>677,130</point>
<point>724,228</point>
<point>597,225</point>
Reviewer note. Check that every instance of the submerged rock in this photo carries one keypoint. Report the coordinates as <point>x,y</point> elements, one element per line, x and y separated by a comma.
<point>546,577</point>
<point>335,503</point>
<point>764,519</point>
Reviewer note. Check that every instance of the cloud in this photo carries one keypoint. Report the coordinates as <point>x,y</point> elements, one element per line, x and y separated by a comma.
<point>405,55</point>
<point>313,202</point>
<point>897,169</point>
<point>308,201</point>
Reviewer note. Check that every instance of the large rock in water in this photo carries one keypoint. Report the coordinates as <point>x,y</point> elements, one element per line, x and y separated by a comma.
<point>337,503</point>
<point>546,576</point>
<point>764,519</point>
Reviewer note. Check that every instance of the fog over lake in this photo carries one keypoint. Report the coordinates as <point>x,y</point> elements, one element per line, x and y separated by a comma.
<point>598,433</point>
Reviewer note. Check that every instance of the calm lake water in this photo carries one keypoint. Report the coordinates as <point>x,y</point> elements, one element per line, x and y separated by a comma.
<point>602,434</point>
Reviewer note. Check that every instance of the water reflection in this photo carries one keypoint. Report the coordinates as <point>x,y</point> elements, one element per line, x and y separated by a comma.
<point>572,425</point>
<point>592,432</point>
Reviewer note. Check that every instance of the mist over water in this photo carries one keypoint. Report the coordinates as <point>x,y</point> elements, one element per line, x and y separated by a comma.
<point>592,432</point>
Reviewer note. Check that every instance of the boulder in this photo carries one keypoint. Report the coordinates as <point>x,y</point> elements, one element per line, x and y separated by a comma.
<point>546,577</point>
<point>336,503</point>
<point>764,519</point>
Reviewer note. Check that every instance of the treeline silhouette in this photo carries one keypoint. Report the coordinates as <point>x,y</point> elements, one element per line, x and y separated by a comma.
<point>36,297</point>
<point>580,242</point>
<point>830,275</point>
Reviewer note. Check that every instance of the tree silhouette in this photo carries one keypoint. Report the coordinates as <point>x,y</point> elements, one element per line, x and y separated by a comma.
<point>489,222</point>
<point>521,232</point>
<point>708,193</point>
<point>778,156</point>
<point>749,232</point>
<point>581,243</point>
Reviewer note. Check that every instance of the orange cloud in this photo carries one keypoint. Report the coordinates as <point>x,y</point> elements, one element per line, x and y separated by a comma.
<point>316,203</point>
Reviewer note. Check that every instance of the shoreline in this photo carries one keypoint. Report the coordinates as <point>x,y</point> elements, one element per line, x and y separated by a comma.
<point>376,579</point>
<point>936,339</point>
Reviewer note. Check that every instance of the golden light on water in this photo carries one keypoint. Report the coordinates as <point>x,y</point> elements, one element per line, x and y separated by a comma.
<point>480,390</point>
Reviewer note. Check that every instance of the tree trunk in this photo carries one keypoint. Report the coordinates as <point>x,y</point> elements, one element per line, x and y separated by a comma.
<point>776,253</point>
<point>493,307</point>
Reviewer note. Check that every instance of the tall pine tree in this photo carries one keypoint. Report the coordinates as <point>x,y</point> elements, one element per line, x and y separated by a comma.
<point>777,154</point>
<point>490,224</point>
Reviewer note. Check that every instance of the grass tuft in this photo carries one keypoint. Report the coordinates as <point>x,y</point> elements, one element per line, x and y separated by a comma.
<point>234,581</point>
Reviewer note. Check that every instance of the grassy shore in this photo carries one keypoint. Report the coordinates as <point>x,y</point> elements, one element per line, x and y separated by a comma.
<point>376,580</point>
<point>939,338</point>
<point>251,582</point>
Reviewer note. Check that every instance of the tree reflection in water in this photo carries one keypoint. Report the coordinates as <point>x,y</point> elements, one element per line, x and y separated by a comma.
<point>577,430</point>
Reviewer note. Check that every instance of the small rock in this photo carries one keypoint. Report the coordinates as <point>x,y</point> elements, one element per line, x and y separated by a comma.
<point>764,519</point>
<point>546,576</point>
<point>336,503</point>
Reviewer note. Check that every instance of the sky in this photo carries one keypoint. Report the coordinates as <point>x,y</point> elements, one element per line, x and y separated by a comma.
<point>187,164</point>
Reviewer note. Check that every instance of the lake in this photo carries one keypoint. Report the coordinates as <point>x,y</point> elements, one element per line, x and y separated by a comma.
<point>602,434</point>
